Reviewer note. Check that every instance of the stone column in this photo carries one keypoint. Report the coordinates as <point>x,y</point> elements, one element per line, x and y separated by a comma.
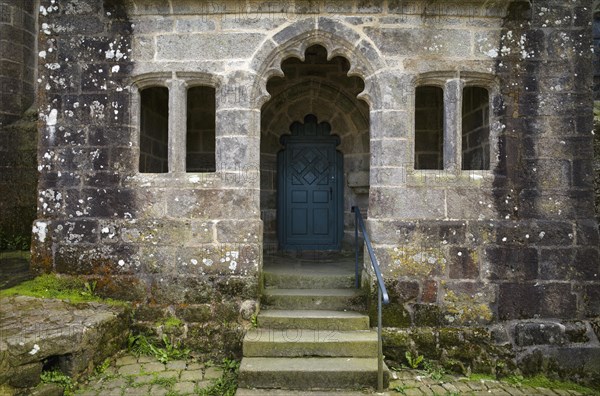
<point>453,125</point>
<point>177,125</point>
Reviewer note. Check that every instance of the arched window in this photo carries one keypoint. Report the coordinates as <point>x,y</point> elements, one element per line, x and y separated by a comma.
<point>154,130</point>
<point>452,122</point>
<point>475,129</point>
<point>175,116</point>
<point>429,127</point>
<point>200,137</point>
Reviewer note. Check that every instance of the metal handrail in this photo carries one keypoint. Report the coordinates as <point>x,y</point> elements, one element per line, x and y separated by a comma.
<point>382,294</point>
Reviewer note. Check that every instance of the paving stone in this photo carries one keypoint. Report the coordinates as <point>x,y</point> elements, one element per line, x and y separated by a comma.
<point>126,360</point>
<point>184,387</point>
<point>158,390</point>
<point>176,365</point>
<point>154,367</point>
<point>131,369</point>
<point>115,383</point>
<point>168,374</point>
<point>438,389</point>
<point>412,392</point>
<point>195,366</point>
<point>191,375</point>
<point>146,359</point>
<point>213,373</point>
<point>449,387</point>
<point>138,390</point>
<point>204,384</point>
<point>143,379</point>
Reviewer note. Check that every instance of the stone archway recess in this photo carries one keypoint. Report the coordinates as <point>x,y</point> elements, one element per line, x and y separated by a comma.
<point>339,41</point>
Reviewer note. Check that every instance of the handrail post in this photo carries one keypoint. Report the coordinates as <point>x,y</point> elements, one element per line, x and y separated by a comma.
<point>379,344</point>
<point>356,283</point>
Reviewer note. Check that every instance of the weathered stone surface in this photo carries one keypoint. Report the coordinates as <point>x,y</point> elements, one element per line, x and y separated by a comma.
<point>34,330</point>
<point>536,333</point>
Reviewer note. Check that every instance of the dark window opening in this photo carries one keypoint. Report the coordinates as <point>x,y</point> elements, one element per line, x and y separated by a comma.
<point>200,138</point>
<point>429,127</point>
<point>475,129</point>
<point>154,130</point>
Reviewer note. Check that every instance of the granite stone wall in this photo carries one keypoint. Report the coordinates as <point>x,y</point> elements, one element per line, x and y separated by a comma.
<point>461,249</point>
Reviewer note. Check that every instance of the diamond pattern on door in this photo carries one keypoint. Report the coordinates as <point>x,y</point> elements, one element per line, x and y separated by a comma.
<point>309,165</point>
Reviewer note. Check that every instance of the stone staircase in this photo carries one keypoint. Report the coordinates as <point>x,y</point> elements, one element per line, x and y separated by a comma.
<point>311,334</point>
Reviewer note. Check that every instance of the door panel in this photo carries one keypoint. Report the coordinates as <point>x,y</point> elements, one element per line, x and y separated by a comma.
<point>310,194</point>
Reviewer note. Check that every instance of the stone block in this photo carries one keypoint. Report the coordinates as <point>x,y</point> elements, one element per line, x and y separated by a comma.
<point>576,331</point>
<point>390,152</point>
<point>86,259</point>
<point>200,204</point>
<point>143,49</point>
<point>406,203</point>
<point>539,333</point>
<point>424,42</point>
<point>222,259</point>
<point>510,263</point>
<point>233,231</point>
<point>211,45</point>
<point>411,261</point>
<point>558,301</point>
<point>468,302</point>
<point>27,375</point>
<point>75,231</point>
<point>391,124</point>
<point>463,263</point>
<point>427,315</point>
<point>590,297</point>
<point>468,203</point>
<point>236,153</point>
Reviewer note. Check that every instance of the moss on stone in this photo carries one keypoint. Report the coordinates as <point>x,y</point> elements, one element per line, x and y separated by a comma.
<point>462,308</point>
<point>416,262</point>
<point>68,288</point>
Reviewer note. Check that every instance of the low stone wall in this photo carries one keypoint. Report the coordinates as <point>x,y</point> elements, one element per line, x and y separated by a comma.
<point>563,349</point>
<point>42,335</point>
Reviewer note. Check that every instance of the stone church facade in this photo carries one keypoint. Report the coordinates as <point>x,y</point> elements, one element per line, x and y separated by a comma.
<point>173,134</point>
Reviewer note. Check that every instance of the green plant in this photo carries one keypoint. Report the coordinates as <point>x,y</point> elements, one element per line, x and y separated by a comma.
<point>434,371</point>
<point>140,345</point>
<point>101,368</point>
<point>254,320</point>
<point>89,288</point>
<point>59,378</point>
<point>226,385</point>
<point>413,362</point>
<point>14,242</point>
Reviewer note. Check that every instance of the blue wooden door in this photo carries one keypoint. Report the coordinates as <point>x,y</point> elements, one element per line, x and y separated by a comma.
<point>310,189</point>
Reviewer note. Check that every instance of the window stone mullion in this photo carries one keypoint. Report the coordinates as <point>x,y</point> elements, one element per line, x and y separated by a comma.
<point>453,125</point>
<point>177,125</point>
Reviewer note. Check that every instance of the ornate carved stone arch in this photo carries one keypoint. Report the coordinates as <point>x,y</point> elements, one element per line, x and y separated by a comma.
<point>338,38</point>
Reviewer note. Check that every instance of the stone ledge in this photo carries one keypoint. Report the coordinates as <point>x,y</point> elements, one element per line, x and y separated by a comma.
<point>46,334</point>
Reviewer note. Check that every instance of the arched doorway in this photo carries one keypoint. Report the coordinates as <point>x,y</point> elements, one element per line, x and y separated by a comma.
<point>321,88</point>
<point>310,188</point>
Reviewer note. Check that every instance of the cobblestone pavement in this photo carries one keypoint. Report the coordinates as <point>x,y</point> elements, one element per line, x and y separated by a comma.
<point>412,383</point>
<point>130,375</point>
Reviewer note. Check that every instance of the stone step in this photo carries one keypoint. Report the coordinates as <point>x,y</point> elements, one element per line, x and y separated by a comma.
<point>312,319</point>
<point>320,299</point>
<point>309,373</point>
<point>308,278</point>
<point>305,342</point>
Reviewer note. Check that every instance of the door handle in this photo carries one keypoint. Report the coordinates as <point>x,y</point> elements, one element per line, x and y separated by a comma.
<point>331,193</point>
